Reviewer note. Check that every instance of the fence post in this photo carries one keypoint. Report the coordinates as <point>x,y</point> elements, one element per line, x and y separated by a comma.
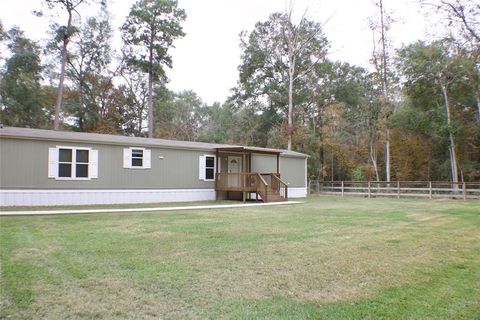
<point>342,188</point>
<point>369,191</point>
<point>430,189</point>
<point>398,189</point>
<point>464,192</point>
<point>309,190</point>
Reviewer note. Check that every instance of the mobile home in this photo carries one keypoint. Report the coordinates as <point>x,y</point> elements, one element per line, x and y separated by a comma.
<point>44,167</point>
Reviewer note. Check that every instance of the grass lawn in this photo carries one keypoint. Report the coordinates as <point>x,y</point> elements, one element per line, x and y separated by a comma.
<point>330,257</point>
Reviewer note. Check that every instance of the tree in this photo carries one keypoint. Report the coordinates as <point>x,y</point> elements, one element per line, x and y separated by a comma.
<point>298,41</point>
<point>3,35</point>
<point>180,115</point>
<point>149,32</point>
<point>434,69</point>
<point>381,61</point>
<point>463,18</point>
<point>463,25</point>
<point>135,87</point>
<point>460,22</point>
<point>64,34</point>
<point>277,56</point>
<point>87,63</point>
<point>342,117</point>
<point>20,89</point>
<point>420,143</point>
<point>219,123</point>
<point>111,108</point>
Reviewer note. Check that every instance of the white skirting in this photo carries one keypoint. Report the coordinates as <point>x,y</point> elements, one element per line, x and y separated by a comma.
<point>36,197</point>
<point>292,193</point>
<point>297,192</point>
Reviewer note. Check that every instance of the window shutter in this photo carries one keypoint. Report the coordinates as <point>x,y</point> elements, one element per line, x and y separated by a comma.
<point>93,164</point>
<point>52,162</point>
<point>127,158</point>
<point>147,158</point>
<point>201,168</point>
<point>215,168</point>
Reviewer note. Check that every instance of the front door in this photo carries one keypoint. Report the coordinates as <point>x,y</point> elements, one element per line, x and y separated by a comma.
<point>234,166</point>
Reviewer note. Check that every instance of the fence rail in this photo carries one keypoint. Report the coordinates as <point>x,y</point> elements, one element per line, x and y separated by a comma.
<point>398,189</point>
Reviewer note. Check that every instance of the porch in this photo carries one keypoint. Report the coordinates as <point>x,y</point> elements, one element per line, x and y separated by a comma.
<point>235,179</point>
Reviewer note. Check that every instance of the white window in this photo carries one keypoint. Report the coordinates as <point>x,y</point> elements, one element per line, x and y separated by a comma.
<point>72,163</point>
<point>206,168</point>
<point>136,158</point>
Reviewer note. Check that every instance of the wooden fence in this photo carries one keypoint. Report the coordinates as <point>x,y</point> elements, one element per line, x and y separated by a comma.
<point>398,189</point>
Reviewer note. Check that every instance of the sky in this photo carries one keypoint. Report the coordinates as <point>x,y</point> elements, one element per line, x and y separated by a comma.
<point>206,60</point>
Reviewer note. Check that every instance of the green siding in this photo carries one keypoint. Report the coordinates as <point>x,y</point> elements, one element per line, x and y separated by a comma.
<point>292,171</point>
<point>24,164</point>
<point>264,163</point>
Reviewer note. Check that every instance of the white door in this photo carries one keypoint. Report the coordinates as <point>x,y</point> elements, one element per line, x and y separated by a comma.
<point>234,166</point>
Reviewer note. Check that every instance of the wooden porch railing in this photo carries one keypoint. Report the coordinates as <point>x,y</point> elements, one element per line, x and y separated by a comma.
<point>236,182</point>
<point>279,185</point>
<point>262,187</point>
<point>264,184</point>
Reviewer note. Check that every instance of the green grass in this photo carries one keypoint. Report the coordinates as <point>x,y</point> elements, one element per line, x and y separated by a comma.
<point>331,257</point>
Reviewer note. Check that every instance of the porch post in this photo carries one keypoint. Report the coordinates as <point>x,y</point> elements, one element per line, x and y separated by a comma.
<point>278,163</point>
<point>244,176</point>
<point>216,173</point>
<point>249,196</point>
<point>250,162</point>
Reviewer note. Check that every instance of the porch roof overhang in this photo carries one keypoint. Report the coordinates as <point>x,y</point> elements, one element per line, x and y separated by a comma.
<point>247,150</point>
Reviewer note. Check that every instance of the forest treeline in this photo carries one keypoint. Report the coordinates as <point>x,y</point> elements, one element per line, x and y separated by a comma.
<point>414,115</point>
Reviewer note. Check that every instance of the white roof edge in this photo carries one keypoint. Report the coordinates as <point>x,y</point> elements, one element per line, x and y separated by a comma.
<point>84,137</point>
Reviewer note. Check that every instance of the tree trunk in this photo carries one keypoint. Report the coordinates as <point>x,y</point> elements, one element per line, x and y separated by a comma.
<point>140,115</point>
<point>81,123</point>
<point>332,166</point>
<point>150,105</point>
<point>150,93</point>
<point>373,158</point>
<point>291,71</point>
<point>384,50</point>
<point>452,152</point>
<point>385,93</point>
<point>478,106</point>
<point>81,102</point>
<point>321,174</point>
<point>387,156</point>
<point>63,63</point>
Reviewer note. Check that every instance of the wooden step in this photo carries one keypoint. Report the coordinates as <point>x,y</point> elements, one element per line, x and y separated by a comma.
<point>273,193</point>
<point>274,198</point>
